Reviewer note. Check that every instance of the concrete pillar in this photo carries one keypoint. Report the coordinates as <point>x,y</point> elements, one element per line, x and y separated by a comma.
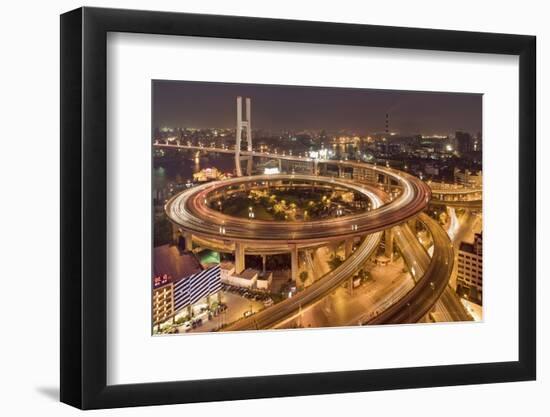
<point>340,171</point>
<point>249,166</point>
<point>387,183</point>
<point>239,258</point>
<point>263,263</point>
<point>294,264</point>
<point>248,126</point>
<point>238,137</point>
<point>243,125</point>
<point>175,233</point>
<point>188,237</point>
<point>388,237</point>
<point>348,247</point>
<point>280,165</point>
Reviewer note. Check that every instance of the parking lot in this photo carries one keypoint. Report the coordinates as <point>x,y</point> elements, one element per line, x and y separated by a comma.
<point>238,302</point>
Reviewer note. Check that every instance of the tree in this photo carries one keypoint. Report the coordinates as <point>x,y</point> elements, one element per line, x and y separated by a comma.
<point>335,262</point>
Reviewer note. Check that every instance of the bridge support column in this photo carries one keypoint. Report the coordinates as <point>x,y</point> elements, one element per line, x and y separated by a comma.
<point>348,250</point>
<point>249,166</point>
<point>294,264</point>
<point>348,247</point>
<point>239,257</point>
<point>175,233</point>
<point>243,125</point>
<point>264,257</point>
<point>388,237</point>
<point>412,224</point>
<point>188,237</point>
<point>387,183</point>
<point>340,171</point>
<point>238,162</point>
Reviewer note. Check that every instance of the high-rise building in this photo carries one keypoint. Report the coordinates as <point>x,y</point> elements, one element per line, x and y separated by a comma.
<point>467,178</point>
<point>470,270</point>
<point>464,143</point>
<point>179,282</point>
<point>478,142</point>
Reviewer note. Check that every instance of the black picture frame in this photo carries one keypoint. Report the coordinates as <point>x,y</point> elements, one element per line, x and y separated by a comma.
<point>84,207</point>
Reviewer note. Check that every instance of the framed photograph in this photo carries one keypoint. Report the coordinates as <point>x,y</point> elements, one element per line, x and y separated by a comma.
<point>257,208</point>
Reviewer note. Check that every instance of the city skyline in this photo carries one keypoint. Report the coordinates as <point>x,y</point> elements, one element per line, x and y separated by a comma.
<point>208,105</point>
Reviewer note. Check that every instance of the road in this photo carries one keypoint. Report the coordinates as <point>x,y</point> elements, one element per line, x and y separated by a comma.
<point>340,308</point>
<point>416,256</point>
<point>432,284</point>
<point>190,211</point>
<point>272,315</point>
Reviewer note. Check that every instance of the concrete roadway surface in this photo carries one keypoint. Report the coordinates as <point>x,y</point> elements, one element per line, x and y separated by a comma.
<point>468,204</point>
<point>448,306</point>
<point>274,314</point>
<point>433,283</point>
<point>340,308</point>
<point>189,210</point>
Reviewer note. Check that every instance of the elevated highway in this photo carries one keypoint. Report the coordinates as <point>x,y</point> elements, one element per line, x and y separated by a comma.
<point>189,210</point>
<point>456,196</point>
<point>434,277</point>
<point>271,316</point>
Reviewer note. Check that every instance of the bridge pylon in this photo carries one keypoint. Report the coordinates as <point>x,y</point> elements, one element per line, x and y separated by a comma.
<point>243,125</point>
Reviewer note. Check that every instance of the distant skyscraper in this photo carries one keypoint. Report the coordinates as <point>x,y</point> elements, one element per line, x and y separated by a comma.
<point>464,143</point>
<point>478,142</point>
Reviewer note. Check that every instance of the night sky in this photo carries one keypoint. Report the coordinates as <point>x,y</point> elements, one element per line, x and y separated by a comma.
<point>212,105</point>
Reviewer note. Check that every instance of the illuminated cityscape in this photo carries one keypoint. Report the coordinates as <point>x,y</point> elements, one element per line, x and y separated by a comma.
<point>280,207</point>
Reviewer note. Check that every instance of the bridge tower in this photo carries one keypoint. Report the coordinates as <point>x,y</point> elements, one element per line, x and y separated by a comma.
<point>243,125</point>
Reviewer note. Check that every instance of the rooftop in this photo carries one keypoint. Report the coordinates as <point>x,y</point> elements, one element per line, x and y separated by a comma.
<point>467,247</point>
<point>168,260</point>
<point>248,273</point>
<point>227,265</point>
